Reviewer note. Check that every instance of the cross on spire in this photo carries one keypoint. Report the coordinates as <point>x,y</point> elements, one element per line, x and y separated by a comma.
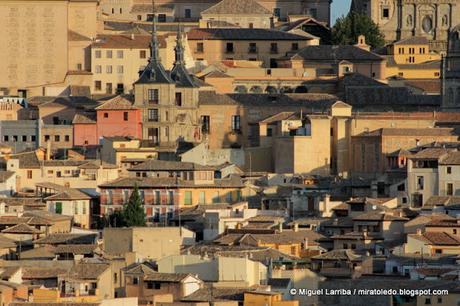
<point>154,53</point>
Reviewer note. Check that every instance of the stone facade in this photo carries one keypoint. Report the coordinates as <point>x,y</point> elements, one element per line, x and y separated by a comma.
<point>402,19</point>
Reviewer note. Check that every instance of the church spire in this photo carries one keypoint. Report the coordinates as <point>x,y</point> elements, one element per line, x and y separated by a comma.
<point>179,73</point>
<point>179,49</point>
<point>154,72</point>
<point>154,54</point>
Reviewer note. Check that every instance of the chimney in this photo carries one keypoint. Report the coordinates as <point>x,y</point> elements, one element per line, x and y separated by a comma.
<point>280,227</point>
<point>48,150</point>
<point>296,227</point>
<point>362,43</point>
<point>132,36</point>
<point>419,231</point>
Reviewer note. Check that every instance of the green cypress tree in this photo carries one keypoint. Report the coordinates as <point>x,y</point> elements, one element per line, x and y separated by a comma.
<point>347,29</point>
<point>133,211</point>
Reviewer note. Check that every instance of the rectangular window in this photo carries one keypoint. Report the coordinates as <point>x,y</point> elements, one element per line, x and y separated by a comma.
<point>200,47</point>
<point>24,138</point>
<point>6,138</point>
<point>29,174</point>
<point>108,54</point>
<point>188,198</point>
<point>57,138</point>
<point>142,54</point>
<point>58,208</point>
<point>236,123</point>
<point>97,85</point>
<point>295,46</point>
<point>449,170</point>
<point>205,124</point>
<point>98,54</point>
<point>202,198</point>
<point>33,138</point>
<point>229,47</point>
<point>178,99</point>
<point>252,48</point>
<point>119,53</point>
<point>274,48</point>
<point>125,116</point>
<point>161,18</point>
<point>188,13</point>
<point>153,114</point>
<point>153,96</point>
<point>420,182</point>
<point>120,69</point>
<point>277,12</point>
<point>66,138</point>
<point>450,189</point>
<point>154,135</point>
<point>108,69</point>
<point>98,69</point>
<point>385,13</point>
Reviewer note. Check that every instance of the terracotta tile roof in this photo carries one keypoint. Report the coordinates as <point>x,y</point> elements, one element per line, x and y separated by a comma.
<point>238,7</point>
<point>358,236</point>
<point>411,132</point>
<point>39,253</point>
<point>69,238</point>
<point>68,195</point>
<point>6,242</point>
<point>335,54</point>
<point>139,268</point>
<point>87,271</point>
<point>147,8</point>
<point>21,228</point>
<point>279,282</point>
<point>241,34</point>
<point>216,294</point>
<point>414,40</point>
<point>121,41</point>
<point>429,86</point>
<point>170,182</point>
<point>124,102</point>
<point>7,272</point>
<point>78,249</point>
<point>41,273</point>
<point>27,160</point>
<point>377,216</point>
<point>165,277</point>
<point>85,118</point>
<point>452,158</point>
<point>430,153</point>
<point>437,238</point>
<point>164,165</point>
<point>285,237</point>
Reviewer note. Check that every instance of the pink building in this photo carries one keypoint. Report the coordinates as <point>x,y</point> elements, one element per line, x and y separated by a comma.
<point>115,117</point>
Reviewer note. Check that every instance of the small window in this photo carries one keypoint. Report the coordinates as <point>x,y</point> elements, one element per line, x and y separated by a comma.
<point>125,116</point>
<point>98,69</point>
<point>236,123</point>
<point>295,46</point>
<point>47,137</point>
<point>108,69</point>
<point>161,18</point>
<point>119,53</point>
<point>229,47</point>
<point>178,99</point>
<point>200,47</point>
<point>97,53</point>
<point>135,280</point>
<point>33,138</point>
<point>106,115</point>
<point>449,170</point>
<point>120,69</point>
<point>66,138</point>
<point>24,138</point>
<point>142,54</point>
<point>385,13</point>
<point>29,174</point>
<point>188,13</point>
<point>97,85</point>
<point>153,96</point>
<point>450,189</point>
<point>108,53</point>
<point>57,138</point>
<point>6,138</point>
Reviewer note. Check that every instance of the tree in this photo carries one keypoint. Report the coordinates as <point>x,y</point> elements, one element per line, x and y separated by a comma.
<point>133,211</point>
<point>347,29</point>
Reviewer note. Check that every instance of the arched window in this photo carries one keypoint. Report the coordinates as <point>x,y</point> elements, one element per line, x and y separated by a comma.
<point>271,90</point>
<point>286,89</point>
<point>241,89</point>
<point>301,89</point>
<point>256,89</point>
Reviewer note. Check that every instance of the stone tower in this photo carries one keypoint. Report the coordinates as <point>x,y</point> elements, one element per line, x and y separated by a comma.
<point>451,72</point>
<point>169,100</point>
<point>400,19</point>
